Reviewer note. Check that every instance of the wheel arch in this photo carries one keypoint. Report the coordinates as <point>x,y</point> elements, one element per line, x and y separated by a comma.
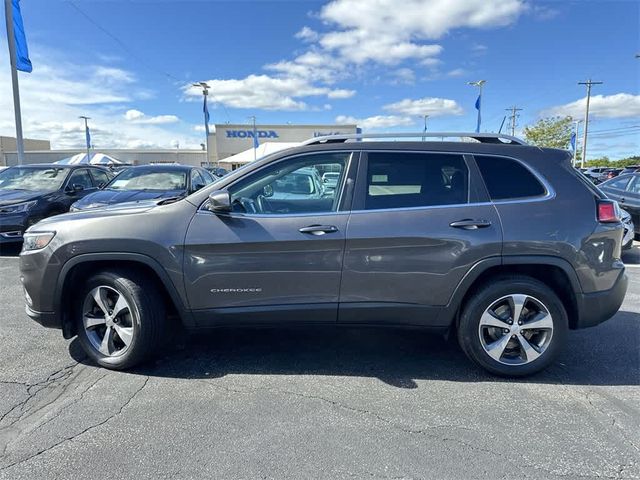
<point>555,272</point>
<point>75,269</point>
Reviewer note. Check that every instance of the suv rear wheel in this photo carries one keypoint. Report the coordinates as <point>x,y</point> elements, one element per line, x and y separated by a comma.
<point>118,321</point>
<point>513,326</point>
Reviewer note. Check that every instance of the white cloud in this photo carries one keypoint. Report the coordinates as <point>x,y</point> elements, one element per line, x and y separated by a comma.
<point>620,105</point>
<point>58,92</point>
<point>136,116</point>
<point>432,106</point>
<point>307,34</point>
<point>266,92</point>
<point>403,75</point>
<point>376,122</point>
<point>457,72</point>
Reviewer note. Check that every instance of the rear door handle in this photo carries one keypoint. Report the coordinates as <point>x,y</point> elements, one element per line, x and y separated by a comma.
<point>319,229</point>
<point>469,224</point>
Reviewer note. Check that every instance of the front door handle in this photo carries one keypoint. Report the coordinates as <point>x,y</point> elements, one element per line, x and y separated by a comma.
<point>469,224</point>
<point>621,200</point>
<point>319,229</point>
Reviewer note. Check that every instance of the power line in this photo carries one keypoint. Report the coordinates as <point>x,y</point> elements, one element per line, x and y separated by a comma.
<point>136,56</point>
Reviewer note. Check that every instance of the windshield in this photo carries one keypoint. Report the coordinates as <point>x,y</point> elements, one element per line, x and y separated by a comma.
<point>33,178</point>
<point>149,179</point>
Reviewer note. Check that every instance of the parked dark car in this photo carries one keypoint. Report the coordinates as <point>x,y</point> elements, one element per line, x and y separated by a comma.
<point>608,174</point>
<point>504,246</point>
<point>148,182</point>
<point>625,189</point>
<point>630,169</point>
<point>30,193</point>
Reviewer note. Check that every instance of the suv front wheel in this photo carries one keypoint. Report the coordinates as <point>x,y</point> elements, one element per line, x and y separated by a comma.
<point>513,326</point>
<point>118,321</point>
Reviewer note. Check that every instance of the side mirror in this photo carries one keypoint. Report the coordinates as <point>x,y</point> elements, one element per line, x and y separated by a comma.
<point>219,201</point>
<point>267,191</point>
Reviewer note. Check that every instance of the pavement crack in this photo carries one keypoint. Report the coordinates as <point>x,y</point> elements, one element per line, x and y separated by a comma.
<point>82,432</point>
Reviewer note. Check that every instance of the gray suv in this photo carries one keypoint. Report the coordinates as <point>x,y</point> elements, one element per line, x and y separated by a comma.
<point>501,244</point>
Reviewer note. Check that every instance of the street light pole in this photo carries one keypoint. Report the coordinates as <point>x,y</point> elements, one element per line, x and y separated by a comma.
<point>479,84</point>
<point>255,138</point>
<point>8,9</point>
<point>87,136</point>
<point>205,110</point>
<point>425,126</point>
<point>588,83</point>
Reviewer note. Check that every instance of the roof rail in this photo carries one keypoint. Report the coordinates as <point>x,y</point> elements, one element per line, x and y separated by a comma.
<point>495,138</point>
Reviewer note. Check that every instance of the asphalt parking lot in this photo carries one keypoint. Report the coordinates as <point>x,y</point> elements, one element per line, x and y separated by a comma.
<point>310,403</point>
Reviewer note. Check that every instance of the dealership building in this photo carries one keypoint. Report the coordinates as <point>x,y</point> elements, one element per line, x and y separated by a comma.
<point>227,140</point>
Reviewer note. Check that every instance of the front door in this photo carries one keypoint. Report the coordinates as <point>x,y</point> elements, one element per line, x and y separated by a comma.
<point>277,257</point>
<point>420,221</point>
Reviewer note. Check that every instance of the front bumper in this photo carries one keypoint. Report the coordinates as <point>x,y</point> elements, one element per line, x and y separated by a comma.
<point>46,319</point>
<point>595,308</point>
<point>12,227</point>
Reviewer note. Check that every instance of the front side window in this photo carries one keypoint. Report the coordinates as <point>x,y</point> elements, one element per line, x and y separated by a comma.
<point>82,178</point>
<point>507,179</point>
<point>292,186</point>
<point>406,179</point>
<point>33,178</point>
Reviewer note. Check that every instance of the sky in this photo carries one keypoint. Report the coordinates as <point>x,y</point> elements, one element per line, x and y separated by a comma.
<point>382,64</point>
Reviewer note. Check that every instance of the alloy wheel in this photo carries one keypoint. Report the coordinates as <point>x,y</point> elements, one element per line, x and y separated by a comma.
<point>516,329</point>
<point>107,318</point>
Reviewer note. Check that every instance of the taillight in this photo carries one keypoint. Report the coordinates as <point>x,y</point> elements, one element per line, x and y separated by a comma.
<point>608,211</point>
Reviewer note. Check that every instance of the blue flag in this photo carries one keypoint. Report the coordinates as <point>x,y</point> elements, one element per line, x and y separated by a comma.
<point>205,109</point>
<point>88,136</point>
<point>478,102</point>
<point>256,144</point>
<point>573,141</point>
<point>22,52</point>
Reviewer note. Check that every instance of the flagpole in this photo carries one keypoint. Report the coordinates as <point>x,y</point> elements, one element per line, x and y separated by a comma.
<point>87,137</point>
<point>8,9</point>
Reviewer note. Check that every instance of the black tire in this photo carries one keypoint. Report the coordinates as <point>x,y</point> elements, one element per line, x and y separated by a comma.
<point>484,297</point>
<point>148,317</point>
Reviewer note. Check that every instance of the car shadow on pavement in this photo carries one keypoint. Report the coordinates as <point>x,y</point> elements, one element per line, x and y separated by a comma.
<point>603,355</point>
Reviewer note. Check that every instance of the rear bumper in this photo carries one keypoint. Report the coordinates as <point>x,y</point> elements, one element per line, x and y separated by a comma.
<point>595,308</point>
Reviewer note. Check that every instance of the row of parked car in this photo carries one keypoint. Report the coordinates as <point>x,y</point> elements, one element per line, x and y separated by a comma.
<point>30,193</point>
<point>601,174</point>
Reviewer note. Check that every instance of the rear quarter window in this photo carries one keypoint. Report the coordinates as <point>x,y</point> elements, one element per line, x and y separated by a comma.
<point>507,179</point>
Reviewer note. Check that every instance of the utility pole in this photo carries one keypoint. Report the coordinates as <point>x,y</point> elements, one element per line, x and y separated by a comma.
<point>425,127</point>
<point>514,115</point>
<point>588,83</point>
<point>87,136</point>
<point>8,10</point>
<point>205,110</point>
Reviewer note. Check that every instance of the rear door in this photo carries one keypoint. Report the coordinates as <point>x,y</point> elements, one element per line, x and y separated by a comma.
<point>630,201</point>
<point>420,221</point>
<point>277,257</point>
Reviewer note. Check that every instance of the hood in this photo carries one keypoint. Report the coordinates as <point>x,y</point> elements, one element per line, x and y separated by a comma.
<point>109,211</point>
<point>107,197</point>
<point>9,197</point>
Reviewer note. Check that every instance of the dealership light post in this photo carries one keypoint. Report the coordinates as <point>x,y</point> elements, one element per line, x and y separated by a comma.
<point>255,137</point>
<point>479,84</point>
<point>87,136</point>
<point>205,110</point>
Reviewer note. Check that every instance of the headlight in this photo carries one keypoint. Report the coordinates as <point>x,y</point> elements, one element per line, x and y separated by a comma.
<point>17,207</point>
<point>36,240</point>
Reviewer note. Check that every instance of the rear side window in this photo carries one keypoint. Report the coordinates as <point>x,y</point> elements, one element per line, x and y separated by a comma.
<point>508,179</point>
<point>404,179</point>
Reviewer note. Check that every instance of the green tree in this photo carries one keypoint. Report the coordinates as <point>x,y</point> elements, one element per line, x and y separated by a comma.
<point>552,132</point>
